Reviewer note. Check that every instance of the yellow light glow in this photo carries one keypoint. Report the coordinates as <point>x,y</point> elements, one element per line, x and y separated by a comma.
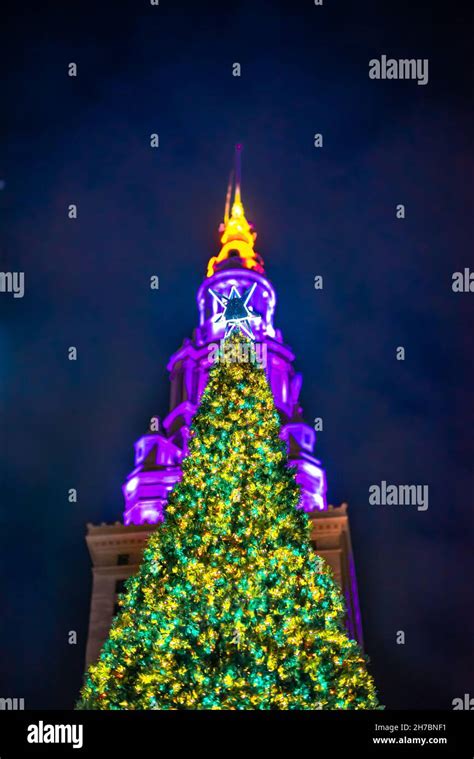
<point>237,235</point>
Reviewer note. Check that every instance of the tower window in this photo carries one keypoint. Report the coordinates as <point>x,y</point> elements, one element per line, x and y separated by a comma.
<point>119,586</point>
<point>123,558</point>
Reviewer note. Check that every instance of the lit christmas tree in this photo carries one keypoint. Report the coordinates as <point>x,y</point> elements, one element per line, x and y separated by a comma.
<point>231,608</point>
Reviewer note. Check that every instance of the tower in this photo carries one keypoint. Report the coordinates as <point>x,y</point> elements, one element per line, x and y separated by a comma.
<point>116,549</point>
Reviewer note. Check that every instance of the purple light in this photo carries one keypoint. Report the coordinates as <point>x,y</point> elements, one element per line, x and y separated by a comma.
<point>159,455</point>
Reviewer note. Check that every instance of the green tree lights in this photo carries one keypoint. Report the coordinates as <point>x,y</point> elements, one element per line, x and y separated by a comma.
<point>231,608</point>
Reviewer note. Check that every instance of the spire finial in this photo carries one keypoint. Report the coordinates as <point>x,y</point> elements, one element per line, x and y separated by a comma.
<point>238,151</point>
<point>237,235</point>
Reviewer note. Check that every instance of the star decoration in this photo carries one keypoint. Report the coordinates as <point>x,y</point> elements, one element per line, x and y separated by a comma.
<point>236,312</point>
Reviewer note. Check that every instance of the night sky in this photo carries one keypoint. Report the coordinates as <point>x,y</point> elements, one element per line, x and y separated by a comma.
<point>329,211</point>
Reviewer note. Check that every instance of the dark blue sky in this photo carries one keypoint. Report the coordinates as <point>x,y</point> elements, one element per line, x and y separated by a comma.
<point>332,212</point>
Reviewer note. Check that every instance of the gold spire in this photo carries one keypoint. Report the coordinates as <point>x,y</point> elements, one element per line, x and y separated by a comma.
<point>237,234</point>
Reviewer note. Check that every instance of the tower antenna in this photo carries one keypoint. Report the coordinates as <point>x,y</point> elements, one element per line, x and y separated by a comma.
<point>227,197</point>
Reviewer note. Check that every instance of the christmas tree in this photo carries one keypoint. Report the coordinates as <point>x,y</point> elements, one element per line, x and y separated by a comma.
<point>231,608</point>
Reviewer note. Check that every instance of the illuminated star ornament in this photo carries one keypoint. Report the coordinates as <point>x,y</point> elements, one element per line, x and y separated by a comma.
<point>236,312</point>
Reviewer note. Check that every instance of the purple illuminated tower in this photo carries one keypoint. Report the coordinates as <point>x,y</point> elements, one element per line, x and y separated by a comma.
<point>116,549</point>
